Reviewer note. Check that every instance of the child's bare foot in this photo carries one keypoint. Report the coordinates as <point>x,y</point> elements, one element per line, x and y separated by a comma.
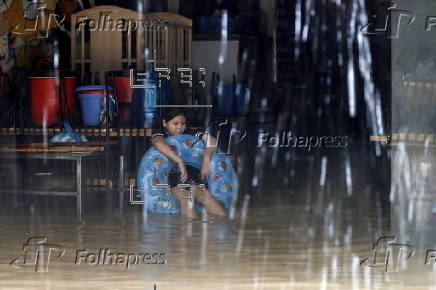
<point>218,216</point>
<point>204,197</point>
<point>186,203</point>
<point>191,215</point>
<point>188,209</point>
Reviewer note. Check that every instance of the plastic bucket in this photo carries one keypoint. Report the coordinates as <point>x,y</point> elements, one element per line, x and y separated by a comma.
<point>225,100</point>
<point>91,107</point>
<point>70,86</point>
<point>45,96</point>
<point>90,90</point>
<point>242,98</point>
<point>124,93</point>
<point>163,93</point>
<point>144,105</point>
<point>123,89</point>
<point>91,98</point>
<point>233,100</point>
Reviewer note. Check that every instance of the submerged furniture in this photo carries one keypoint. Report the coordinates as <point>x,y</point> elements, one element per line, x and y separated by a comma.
<point>108,38</point>
<point>75,157</point>
<point>152,177</point>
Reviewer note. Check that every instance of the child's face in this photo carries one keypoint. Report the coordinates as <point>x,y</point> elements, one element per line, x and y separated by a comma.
<point>176,125</point>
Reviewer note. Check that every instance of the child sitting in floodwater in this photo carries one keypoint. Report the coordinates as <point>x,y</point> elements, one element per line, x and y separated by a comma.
<point>173,122</point>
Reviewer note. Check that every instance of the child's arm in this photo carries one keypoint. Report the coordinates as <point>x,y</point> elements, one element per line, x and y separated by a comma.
<point>164,148</point>
<point>210,150</point>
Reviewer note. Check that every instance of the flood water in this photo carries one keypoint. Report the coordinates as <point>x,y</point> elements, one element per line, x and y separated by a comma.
<point>302,236</point>
<point>356,216</point>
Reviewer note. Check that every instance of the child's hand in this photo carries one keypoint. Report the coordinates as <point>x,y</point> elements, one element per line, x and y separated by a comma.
<point>183,171</point>
<point>205,168</point>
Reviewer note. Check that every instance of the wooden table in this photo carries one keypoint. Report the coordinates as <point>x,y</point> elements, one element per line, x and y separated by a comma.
<point>77,157</point>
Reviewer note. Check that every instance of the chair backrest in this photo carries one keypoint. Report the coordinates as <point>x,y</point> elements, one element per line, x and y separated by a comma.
<point>107,38</point>
<point>171,46</point>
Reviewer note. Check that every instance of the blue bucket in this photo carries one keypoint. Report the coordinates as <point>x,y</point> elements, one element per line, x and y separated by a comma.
<point>91,107</point>
<point>242,98</point>
<point>225,100</point>
<point>144,105</point>
<point>233,100</point>
<point>91,98</point>
<point>163,93</point>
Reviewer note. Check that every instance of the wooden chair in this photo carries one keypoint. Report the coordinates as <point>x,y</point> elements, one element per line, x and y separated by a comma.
<point>100,43</point>
<point>172,46</point>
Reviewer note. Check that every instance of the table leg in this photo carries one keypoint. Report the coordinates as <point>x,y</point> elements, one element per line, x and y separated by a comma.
<point>15,181</point>
<point>107,171</point>
<point>121,183</point>
<point>79,188</point>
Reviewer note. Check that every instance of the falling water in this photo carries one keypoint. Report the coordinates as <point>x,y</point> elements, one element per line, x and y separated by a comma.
<point>301,215</point>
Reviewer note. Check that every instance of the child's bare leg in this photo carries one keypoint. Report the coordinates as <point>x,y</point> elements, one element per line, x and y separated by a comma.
<point>204,197</point>
<point>186,202</point>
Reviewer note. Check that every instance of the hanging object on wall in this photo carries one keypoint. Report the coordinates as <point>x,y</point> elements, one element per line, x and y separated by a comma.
<point>30,19</point>
<point>30,9</point>
<point>4,49</point>
<point>4,5</point>
<point>4,41</point>
<point>9,48</point>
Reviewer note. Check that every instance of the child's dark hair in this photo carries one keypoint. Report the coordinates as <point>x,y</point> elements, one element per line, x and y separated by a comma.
<point>170,113</point>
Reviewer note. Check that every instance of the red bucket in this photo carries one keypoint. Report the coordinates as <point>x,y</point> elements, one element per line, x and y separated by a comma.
<point>45,97</point>
<point>121,81</point>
